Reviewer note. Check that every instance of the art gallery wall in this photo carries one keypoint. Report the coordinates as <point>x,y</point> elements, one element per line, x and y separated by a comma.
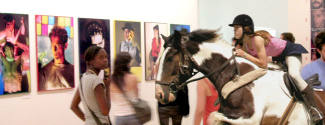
<point>280,15</point>
<point>53,107</point>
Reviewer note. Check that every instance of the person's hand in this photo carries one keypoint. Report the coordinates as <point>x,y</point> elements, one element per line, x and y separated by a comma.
<point>107,81</point>
<point>240,52</point>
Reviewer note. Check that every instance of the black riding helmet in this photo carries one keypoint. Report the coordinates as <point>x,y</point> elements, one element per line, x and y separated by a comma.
<point>244,21</point>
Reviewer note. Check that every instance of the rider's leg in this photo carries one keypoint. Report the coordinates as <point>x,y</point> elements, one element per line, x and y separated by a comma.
<point>294,64</point>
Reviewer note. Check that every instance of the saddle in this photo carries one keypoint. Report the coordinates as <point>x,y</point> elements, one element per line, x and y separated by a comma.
<point>293,88</point>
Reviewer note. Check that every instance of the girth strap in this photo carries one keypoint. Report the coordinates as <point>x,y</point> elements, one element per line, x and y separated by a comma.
<point>241,81</point>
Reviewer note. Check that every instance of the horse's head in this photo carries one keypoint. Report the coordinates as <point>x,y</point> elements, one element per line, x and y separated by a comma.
<point>176,64</point>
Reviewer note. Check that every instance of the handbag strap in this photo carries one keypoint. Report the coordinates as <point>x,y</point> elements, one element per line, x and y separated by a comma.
<point>98,122</point>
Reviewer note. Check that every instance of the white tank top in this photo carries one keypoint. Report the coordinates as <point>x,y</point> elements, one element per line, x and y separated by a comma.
<point>121,106</point>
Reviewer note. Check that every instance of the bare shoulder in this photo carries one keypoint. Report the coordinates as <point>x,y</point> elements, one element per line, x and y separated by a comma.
<point>259,41</point>
<point>258,38</point>
<point>202,84</point>
<point>131,78</point>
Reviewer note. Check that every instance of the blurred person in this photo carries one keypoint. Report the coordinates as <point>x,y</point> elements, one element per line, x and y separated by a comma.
<point>58,73</point>
<point>93,92</point>
<point>123,79</point>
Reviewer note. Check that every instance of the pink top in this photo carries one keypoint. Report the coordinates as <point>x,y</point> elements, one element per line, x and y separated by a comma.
<point>210,100</point>
<point>274,48</point>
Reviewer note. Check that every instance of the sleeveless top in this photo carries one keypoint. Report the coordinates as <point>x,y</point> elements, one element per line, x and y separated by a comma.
<point>274,48</point>
<point>120,105</point>
<point>210,100</point>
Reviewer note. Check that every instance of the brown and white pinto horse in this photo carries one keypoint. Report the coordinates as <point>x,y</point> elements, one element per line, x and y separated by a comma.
<point>262,101</point>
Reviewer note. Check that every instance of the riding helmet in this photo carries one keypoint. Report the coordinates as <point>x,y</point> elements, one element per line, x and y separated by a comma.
<point>244,21</point>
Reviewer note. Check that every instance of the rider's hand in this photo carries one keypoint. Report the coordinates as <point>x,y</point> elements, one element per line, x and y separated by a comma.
<point>240,52</point>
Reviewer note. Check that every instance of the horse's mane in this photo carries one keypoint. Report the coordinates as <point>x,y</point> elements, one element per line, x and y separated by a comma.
<point>202,35</point>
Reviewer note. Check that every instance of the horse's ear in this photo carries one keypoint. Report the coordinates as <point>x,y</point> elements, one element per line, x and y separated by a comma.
<point>177,37</point>
<point>164,37</point>
<point>167,41</point>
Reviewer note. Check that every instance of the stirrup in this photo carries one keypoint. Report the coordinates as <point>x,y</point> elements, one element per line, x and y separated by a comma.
<point>315,114</point>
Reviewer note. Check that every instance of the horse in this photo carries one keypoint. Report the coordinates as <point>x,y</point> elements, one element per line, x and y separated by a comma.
<point>262,101</point>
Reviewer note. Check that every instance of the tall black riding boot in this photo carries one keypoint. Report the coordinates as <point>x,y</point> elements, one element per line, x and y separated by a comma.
<point>309,100</point>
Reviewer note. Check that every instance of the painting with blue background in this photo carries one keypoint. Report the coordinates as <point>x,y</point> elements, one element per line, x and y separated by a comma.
<point>178,27</point>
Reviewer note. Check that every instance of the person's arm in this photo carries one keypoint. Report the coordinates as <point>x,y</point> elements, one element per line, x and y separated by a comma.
<point>22,46</point>
<point>75,106</point>
<point>306,72</point>
<point>101,99</point>
<point>261,60</point>
<point>200,103</point>
<point>107,81</point>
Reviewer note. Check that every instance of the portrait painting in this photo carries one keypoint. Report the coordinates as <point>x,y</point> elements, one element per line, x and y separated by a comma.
<point>54,43</point>
<point>14,53</point>
<point>153,46</point>
<point>93,32</point>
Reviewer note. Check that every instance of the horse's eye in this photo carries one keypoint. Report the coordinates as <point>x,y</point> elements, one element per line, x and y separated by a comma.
<point>169,59</point>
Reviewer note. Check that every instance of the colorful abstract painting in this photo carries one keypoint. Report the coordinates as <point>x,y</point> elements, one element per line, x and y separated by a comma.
<point>153,46</point>
<point>54,43</point>
<point>93,32</point>
<point>14,53</point>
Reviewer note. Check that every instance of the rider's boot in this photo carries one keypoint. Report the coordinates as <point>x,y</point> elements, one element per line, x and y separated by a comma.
<point>309,97</point>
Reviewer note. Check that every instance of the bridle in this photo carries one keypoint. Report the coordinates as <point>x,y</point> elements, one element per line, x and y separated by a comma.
<point>189,68</point>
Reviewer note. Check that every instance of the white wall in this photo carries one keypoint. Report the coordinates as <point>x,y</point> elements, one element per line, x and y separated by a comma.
<point>52,108</point>
<point>265,13</point>
<point>300,25</point>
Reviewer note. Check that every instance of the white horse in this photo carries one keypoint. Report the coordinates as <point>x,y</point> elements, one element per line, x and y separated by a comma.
<point>262,101</point>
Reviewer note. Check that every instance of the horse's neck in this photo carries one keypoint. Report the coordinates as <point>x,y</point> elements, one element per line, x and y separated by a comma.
<point>210,57</point>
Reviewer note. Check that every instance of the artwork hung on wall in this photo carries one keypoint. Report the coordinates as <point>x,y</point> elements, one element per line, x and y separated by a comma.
<point>317,24</point>
<point>128,39</point>
<point>153,46</point>
<point>179,27</point>
<point>14,54</point>
<point>54,43</point>
<point>93,32</point>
